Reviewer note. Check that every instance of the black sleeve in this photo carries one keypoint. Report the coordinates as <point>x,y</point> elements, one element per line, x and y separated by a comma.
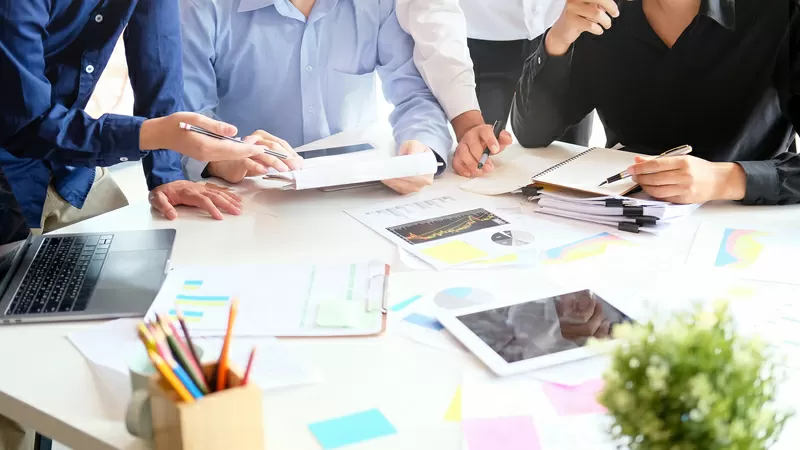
<point>552,95</point>
<point>777,181</point>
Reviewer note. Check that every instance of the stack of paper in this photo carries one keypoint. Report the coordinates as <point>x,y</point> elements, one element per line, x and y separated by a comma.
<point>635,214</point>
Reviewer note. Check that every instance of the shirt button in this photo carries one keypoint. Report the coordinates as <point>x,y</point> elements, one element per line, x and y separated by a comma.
<point>308,68</point>
<point>89,68</point>
<point>98,18</point>
<point>310,109</point>
<point>123,159</point>
<point>760,201</point>
<point>539,60</point>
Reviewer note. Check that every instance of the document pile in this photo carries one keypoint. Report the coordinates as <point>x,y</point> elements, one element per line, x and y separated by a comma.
<point>637,213</point>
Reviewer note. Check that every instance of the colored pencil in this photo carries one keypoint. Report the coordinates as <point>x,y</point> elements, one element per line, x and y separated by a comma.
<point>249,366</point>
<point>161,343</point>
<point>147,338</point>
<point>186,380</point>
<point>169,375</point>
<point>222,364</point>
<point>186,335</point>
<point>182,355</point>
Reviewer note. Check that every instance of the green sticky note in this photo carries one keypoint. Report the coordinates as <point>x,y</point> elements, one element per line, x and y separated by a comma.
<point>340,314</point>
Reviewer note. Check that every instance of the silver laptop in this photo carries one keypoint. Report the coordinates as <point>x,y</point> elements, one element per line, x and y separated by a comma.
<point>76,276</point>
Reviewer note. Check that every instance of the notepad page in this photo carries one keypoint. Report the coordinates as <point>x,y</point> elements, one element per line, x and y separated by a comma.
<point>588,170</point>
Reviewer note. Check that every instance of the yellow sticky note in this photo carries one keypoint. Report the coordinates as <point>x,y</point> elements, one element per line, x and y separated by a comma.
<point>455,252</point>
<point>340,314</point>
<point>741,292</point>
<point>453,413</point>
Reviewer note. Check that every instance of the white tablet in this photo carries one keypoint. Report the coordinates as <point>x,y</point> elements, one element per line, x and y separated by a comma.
<point>519,337</point>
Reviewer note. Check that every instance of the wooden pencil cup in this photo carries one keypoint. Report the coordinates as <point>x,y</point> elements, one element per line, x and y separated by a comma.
<point>228,419</point>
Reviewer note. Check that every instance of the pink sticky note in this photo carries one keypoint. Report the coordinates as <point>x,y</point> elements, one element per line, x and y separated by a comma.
<point>507,433</point>
<point>575,400</point>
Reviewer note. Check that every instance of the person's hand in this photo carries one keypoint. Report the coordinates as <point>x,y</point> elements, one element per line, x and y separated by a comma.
<point>470,150</point>
<point>581,316</point>
<point>167,196</point>
<point>165,132</point>
<point>577,17</point>
<point>410,185</point>
<point>236,170</point>
<point>687,179</point>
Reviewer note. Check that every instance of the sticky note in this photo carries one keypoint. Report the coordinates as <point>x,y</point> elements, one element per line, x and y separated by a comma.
<point>358,427</point>
<point>507,433</point>
<point>405,303</point>
<point>340,314</point>
<point>424,321</point>
<point>454,252</point>
<point>575,400</point>
<point>453,413</point>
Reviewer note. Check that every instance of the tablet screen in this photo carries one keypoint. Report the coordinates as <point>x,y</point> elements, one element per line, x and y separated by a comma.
<point>333,151</point>
<point>541,327</point>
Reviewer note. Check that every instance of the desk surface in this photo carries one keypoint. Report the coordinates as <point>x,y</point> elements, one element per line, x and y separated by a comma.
<point>46,384</point>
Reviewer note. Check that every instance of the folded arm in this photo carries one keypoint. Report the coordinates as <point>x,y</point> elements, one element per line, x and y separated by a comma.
<point>31,124</point>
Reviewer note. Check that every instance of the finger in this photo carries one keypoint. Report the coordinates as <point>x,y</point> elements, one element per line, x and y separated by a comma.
<point>271,161</point>
<point>231,197</point>
<point>215,126</point>
<point>398,185</point>
<point>505,140</point>
<point>663,178</point>
<point>460,167</point>
<point>160,202</point>
<point>663,192</point>
<point>222,202</point>
<point>464,153</point>
<point>486,134</point>
<point>254,168</point>
<point>609,6</point>
<point>679,199</point>
<point>594,14</point>
<point>603,329</point>
<point>201,201</point>
<point>488,167</point>
<point>659,165</point>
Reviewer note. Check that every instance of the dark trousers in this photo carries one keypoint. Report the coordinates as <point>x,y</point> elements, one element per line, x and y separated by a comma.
<point>498,67</point>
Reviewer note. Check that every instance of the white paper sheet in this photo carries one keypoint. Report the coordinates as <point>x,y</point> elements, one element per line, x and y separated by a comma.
<point>274,299</point>
<point>450,230</point>
<point>755,253</point>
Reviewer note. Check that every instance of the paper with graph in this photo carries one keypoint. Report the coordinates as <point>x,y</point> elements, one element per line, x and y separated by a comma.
<point>277,299</point>
<point>449,230</point>
<point>755,253</point>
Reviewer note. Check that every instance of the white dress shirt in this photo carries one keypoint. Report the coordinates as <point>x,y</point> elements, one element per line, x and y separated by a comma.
<point>510,20</point>
<point>440,51</point>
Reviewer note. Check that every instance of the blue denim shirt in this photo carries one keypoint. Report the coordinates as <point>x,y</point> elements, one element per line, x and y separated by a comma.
<point>52,53</point>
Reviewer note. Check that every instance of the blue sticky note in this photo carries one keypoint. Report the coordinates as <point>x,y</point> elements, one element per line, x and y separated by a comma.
<point>405,303</point>
<point>351,429</point>
<point>424,321</point>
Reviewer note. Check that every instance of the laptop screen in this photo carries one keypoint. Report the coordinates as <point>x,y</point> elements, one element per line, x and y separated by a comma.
<point>14,230</point>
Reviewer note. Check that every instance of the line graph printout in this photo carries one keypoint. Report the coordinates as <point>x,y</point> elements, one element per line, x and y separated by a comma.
<point>447,231</point>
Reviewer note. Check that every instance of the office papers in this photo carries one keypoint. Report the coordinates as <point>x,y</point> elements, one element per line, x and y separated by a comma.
<point>111,347</point>
<point>342,173</point>
<point>276,299</point>
<point>449,230</point>
<point>756,253</point>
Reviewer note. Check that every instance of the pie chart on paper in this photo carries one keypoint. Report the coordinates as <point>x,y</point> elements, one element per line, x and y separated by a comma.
<point>512,238</point>
<point>460,297</point>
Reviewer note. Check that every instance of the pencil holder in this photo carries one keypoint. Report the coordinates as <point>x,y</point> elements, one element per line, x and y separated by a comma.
<point>227,419</point>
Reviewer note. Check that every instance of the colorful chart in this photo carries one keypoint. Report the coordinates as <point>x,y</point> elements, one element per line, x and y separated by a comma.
<point>446,226</point>
<point>424,321</point>
<point>739,249</point>
<point>194,306</point>
<point>584,248</point>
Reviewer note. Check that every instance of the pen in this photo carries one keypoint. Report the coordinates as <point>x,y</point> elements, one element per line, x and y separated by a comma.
<point>677,151</point>
<point>497,128</point>
<point>204,132</point>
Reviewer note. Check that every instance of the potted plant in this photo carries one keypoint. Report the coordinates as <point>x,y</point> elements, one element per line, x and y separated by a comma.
<point>692,382</point>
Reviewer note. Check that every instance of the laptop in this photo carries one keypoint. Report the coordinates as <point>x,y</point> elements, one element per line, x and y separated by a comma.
<point>82,276</point>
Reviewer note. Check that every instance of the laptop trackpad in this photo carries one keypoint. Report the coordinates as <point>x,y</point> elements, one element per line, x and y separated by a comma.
<point>129,281</point>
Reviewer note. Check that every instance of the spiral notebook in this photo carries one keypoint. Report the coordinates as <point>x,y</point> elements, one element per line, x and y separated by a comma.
<point>560,165</point>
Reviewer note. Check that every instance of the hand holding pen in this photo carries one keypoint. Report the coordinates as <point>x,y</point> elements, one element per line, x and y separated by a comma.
<point>677,151</point>
<point>471,157</point>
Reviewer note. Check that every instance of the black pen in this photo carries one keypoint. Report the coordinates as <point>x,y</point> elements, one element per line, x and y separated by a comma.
<point>497,128</point>
<point>677,151</point>
<point>204,132</point>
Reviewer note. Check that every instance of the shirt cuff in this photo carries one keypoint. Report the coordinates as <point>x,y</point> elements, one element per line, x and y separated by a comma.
<point>457,100</point>
<point>550,70</point>
<point>193,169</point>
<point>120,136</point>
<point>441,146</point>
<point>763,183</point>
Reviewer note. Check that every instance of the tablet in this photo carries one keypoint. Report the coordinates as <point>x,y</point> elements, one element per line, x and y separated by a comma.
<point>519,337</point>
<point>335,151</point>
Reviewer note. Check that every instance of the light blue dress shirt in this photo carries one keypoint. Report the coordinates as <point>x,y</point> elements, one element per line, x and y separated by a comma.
<point>260,64</point>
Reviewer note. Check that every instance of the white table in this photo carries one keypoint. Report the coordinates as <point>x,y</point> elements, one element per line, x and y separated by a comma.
<point>46,384</point>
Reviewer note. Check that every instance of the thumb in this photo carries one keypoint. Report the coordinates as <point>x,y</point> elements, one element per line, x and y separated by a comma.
<point>215,126</point>
<point>160,202</point>
<point>639,159</point>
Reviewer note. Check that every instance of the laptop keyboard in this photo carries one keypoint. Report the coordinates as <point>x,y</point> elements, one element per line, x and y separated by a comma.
<point>63,275</point>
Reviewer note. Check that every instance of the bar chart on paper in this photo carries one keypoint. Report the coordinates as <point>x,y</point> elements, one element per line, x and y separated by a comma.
<point>758,254</point>
<point>204,306</point>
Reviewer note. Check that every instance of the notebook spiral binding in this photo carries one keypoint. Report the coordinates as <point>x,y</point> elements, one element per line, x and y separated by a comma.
<point>561,164</point>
